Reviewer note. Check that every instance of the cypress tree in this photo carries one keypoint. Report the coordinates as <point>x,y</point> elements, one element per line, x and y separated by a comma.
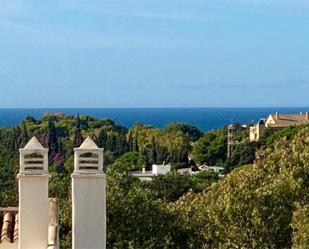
<point>102,139</point>
<point>78,138</point>
<point>52,140</point>
<point>153,151</point>
<point>86,123</point>
<point>135,143</point>
<point>24,134</point>
<point>16,138</point>
<point>130,142</point>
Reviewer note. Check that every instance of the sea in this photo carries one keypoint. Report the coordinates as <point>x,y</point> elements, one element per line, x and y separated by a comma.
<point>204,118</point>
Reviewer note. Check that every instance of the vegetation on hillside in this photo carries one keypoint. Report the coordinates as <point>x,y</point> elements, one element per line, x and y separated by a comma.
<point>263,204</point>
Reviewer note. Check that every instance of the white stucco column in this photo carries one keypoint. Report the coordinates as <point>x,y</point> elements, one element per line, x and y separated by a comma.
<point>33,196</point>
<point>88,198</point>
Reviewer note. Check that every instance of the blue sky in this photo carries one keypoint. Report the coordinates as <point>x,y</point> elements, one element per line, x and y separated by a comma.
<point>154,53</point>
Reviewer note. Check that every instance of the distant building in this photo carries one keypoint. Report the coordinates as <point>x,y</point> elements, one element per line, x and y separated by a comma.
<point>144,175</point>
<point>216,169</point>
<point>161,169</point>
<point>277,121</point>
<point>233,137</point>
<point>185,171</point>
<point>257,130</point>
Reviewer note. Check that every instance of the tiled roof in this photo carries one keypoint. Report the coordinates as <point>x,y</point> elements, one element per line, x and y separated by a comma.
<point>285,120</point>
<point>9,224</point>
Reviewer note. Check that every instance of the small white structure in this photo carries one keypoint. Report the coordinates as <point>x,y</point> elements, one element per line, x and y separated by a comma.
<point>161,169</point>
<point>33,196</point>
<point>156,170</point>
<point>33,158</point>
<point>216,169</point>
<point>185,171</point>
<point>88,198</point>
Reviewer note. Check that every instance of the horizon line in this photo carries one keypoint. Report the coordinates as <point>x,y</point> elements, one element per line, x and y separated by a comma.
<point>153,107</point>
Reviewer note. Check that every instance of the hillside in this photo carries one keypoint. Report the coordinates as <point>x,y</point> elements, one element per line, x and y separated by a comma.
<point>260,205</point>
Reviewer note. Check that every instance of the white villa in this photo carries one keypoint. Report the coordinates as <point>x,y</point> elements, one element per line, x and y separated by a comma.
<point>156,170</point>
<point>277,121</point>
<point>34,223</point>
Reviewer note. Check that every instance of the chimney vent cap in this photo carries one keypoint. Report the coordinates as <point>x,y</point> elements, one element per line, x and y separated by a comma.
<point>88,144</point>
<point>33,144</point>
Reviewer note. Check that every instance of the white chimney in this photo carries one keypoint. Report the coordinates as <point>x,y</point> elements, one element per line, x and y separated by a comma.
<point>277,115</point>
<point>88,198</point>
<point>33,196</point>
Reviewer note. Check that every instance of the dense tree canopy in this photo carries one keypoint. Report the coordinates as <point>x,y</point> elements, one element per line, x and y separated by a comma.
<point>211,148</point>
<point>191,131</point>
<point>128,162</point>
<point>253,206</point>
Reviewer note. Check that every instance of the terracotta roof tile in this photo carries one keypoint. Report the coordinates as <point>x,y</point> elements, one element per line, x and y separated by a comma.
<point>9,224</point>
<point>16,228</point>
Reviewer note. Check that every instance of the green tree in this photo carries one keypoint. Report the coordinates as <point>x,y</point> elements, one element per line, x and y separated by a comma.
<point>254,205</point>
<point>169,187</point>
<point>78,138</point>
<point>153,151</point>
<point>135,218</point>
<point>300,224</point>
<point>211,148</point>
<point>177,145</point>
<point>243,154</point>
<point>52,141</point>
<point>191,131</point>
<point>24,134</point>
<point>128,162</point>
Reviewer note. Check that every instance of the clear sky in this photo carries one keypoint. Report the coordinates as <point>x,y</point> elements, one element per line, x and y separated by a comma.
<point>154,53</point>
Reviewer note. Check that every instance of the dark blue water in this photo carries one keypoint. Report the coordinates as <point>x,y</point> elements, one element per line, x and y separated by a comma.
<point>204,118</point>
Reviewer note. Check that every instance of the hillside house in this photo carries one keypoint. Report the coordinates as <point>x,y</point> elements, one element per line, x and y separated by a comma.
<point>277,121</point>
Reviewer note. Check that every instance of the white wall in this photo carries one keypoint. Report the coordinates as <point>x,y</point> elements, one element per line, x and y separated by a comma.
<point>89,211</point>
<point>161,169</point>
<point>7,245</point>
<point>33,211</point>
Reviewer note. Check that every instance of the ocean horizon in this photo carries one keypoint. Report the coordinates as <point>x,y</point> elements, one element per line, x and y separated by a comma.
<point>205,118</point>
